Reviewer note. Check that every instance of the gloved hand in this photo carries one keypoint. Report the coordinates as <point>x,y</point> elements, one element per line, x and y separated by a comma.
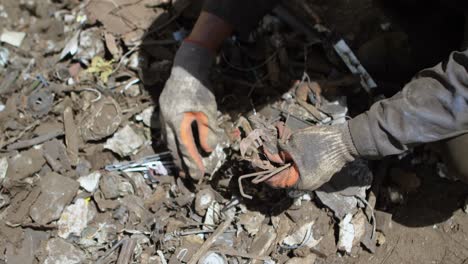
<point>185,100</point>
<point>317,153</point>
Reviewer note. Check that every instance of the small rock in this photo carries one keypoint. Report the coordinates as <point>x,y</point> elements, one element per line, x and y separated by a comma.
<point>25,164</point>
<point>135,205</point>
<point>133,90</point>
<point>381,240</point>
<point>252,221</point>
<point>101,120</point>
<point>83,168</point>
<point>339,204</point>
<point>98,234</point>
<point>383,221</point>
<point>109,186</point>
<point>91,182</point>
<point>56,190</point>
<point>310,259</point>
<point>203,200</point>
<point>60,251</point>
<point>141,185</point>
<point>125,142</point>
<point>359,223</point>
<point>28,248</point>
<point>125,188</point>
<point>74,219</point>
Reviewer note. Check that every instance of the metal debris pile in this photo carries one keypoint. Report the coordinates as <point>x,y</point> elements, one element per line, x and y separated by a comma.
<point>84,175</point>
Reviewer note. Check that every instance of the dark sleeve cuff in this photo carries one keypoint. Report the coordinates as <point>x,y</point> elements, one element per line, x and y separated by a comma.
<point>362,137</point>
<point>243,15</point>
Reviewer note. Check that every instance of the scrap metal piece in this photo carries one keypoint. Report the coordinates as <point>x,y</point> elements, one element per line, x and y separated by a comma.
<point>126,252</point>
<point>40,102</point>
<point>158,162</point>
<point>35,141</point>
<point>354,65</point>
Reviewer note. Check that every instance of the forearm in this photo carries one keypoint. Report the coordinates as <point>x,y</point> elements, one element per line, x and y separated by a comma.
<point>243,15</point>
<point>432,107</point>
<point>220,18</point>
<point>210,31</point>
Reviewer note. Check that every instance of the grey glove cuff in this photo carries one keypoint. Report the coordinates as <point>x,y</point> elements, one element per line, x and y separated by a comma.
<point>360,134</point>
<point>348,141</point>
<point>194,59</point>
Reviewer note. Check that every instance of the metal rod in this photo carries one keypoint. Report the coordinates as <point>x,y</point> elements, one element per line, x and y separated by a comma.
<point>263,178</point>
<point>241,188</point>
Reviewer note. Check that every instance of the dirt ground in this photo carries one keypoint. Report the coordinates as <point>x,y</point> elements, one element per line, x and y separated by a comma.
<point>84,173</point>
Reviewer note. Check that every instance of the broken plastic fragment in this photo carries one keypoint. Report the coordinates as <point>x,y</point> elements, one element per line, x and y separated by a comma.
<point>212,214</point>
<point>12,37</point>
<point>346,235</point>
<point>4,56</point>
<point>3,168</point>
<point>302,237</point>
<point>71,47</point>
<point>91,182</point>
<point>146,116</point>
<point>159,168</point>
<point>213,258</point>
<point>203,200</point>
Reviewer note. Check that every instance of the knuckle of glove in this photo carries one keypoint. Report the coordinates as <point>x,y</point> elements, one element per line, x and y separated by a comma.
<point>317,153</point>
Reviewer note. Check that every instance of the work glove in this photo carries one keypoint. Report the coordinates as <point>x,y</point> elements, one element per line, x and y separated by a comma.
<point>316,153</point>
<point>184,101</point>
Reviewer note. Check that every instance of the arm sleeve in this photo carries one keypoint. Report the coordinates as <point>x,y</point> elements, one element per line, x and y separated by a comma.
<point>432,107</point>
<point>243,15</point>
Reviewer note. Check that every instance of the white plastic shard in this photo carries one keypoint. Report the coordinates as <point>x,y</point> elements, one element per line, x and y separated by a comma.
<point>346,235</point>
<point>3,168</point>
<point>12,37</point>
<point>125,142</point>
<point>90,182</point>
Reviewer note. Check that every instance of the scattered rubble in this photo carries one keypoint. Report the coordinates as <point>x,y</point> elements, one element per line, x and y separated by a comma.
<point>86,179</point>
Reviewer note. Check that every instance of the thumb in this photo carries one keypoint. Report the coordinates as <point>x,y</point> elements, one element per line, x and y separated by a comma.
<point>206,132</point>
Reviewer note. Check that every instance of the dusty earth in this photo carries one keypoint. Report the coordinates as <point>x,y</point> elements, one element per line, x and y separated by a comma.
<point>78,93</point>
